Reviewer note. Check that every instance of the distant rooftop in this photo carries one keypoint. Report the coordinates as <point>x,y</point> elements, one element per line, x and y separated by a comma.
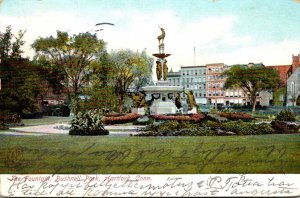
<point>195,66</point>
<point>282,70</point>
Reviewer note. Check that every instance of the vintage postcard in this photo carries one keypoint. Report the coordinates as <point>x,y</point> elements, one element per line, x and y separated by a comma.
<point>143,98</point>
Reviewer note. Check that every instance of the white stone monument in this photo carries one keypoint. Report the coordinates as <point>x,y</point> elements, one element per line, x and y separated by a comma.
<point>162,95</point>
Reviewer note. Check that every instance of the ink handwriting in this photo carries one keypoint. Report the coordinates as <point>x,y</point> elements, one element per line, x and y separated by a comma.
<point>91,159</point>
<point>154,185</point>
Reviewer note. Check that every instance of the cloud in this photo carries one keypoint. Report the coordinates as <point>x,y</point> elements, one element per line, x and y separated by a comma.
<point>181,37</point>
<point>214,37</point>
<point>43,25</point>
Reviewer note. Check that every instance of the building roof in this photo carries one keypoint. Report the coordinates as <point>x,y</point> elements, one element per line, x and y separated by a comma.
<point>197,66</point>
<point>282,70</point>
<point>214,64</point>
<point>295,76</point>
<point>173,74</point>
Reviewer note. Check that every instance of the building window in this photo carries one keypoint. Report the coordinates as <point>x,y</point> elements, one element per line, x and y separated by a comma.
<point>293,88</point>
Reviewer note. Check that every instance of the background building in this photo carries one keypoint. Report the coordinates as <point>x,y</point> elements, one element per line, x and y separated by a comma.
<point>207,83</point>
<point>293,83</point>
<point>191,78</point>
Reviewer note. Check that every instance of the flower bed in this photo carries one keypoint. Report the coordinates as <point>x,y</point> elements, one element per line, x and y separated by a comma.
<point>10,118</point>
<point>235,115</point>
<point>191,117</point>
<point>121,119</point>
<point>7,120</point>
<point>114,115</point>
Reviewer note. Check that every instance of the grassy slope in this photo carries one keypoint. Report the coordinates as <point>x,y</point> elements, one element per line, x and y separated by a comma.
<point>72,154</point>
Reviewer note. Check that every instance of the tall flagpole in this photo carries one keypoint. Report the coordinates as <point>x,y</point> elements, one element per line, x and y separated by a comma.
<point>194,56</point>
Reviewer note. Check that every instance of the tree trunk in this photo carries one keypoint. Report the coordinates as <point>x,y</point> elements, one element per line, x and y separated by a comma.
<point>120,100</point>
<point>253,103</point>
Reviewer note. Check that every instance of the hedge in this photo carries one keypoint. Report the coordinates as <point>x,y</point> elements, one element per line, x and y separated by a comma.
<point>188,117</point>
<point>121,119</point>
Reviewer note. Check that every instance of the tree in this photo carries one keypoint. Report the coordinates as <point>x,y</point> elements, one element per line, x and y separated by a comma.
<point>128,68</point>
<point>10,44</point>
<point>19,78</point>
<point>251,80</point>
<point>71,55</point>
<point>100,93</point>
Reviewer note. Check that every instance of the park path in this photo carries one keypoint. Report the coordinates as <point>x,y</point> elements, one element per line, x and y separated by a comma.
<point>51,129</point>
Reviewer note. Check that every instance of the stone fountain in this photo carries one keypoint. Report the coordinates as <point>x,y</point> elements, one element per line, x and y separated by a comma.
<point>164,99</point>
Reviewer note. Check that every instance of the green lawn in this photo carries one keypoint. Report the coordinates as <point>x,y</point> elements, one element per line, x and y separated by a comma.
<point>113,154</point>
<point>46,120</point>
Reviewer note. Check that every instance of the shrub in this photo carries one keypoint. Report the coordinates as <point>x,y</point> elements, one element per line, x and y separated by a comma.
<point>286,115</point>
<point>32,115</point>
<point>57,110</point>
<point>145,120</point>
<point>283,127</point>
<point>169,126</point>
<point>7,119</point>
<point>121,119</point>
<point>114,115</point>
<point>182,132</point>
<point>88,123</point>
<point>246,128</point>
<point>200,131</point>
<point>212,124</point>
<point>191,117</point>
<point>235,115</point>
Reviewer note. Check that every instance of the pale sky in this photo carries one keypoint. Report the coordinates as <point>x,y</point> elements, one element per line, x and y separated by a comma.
<point>222,31</point>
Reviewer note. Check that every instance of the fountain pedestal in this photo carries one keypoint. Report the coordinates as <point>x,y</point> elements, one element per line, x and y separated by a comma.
<point>163,98</point>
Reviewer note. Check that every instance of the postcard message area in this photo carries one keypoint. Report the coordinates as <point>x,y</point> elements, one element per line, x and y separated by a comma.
<point>133,185</point>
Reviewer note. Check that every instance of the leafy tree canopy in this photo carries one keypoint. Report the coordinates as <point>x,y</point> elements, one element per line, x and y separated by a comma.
<point>71,56</point>
<point>251,80</point>
<point>128,68</point>
<point>20,82</point>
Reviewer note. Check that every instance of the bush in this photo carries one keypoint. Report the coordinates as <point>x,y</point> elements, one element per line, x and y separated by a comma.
<point>121,119</point>
<point>212,124</point>
<point>246,128</point>
<point>169,126</point>
<point>200,131</point>
<point>57,110</point>
<point>89,123</point>
<point>191,117</point>
<point>283,127</point>
<point>236,115</point>
<point>241,128</point>
<point>7,119</point>
<point>32,115</point>
<point>286,115</point>
<point>114,115</point>
<point>182,132</point>
<point>145,120</point>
